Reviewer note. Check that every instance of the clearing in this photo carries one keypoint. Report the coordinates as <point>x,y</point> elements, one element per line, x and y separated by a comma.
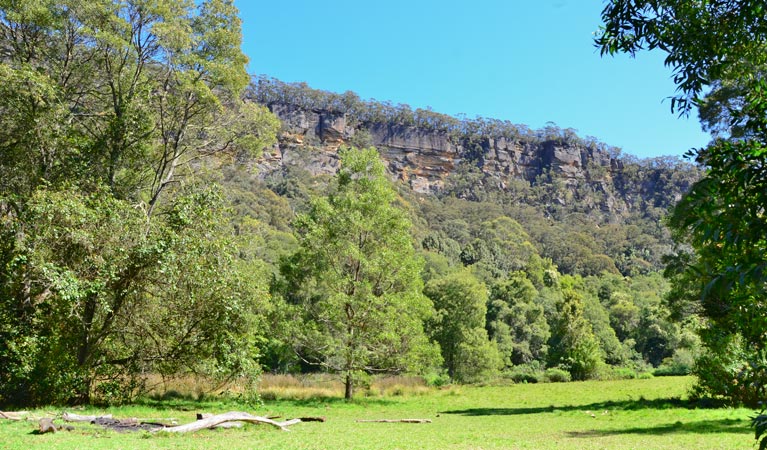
<point>626,414</point>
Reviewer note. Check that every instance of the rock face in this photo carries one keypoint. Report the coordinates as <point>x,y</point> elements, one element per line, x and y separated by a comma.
<point>425,159</point>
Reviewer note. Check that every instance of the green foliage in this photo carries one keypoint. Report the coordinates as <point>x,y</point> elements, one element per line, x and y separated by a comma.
<point>460,301</point>
<point>731,371</point>
<point>598,316</point>
<point>573,344</point>
<point>722,219</point>
<point>722,216</point>
<point>355,280</point>
<point>759,423</point>
<point>516,322</point>
<point>124,87</point>
<point>437,379</point>
<point>114,263</point>
<point>624,315</point>
<point>717,110</point>
<point>555,375</point>
<point>109,300</point>
<point>526,373</point>
<point>477,358</point>
<point>623,373</point>
<point>703,42</point>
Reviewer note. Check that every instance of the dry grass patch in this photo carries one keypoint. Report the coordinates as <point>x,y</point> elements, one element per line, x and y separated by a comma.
<point>299,387</point>
<point>325,386</point>
<point>192,387</point>
<point>398,385</point>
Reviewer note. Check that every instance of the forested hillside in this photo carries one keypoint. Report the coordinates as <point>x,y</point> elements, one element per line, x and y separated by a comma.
<point>583,204</point>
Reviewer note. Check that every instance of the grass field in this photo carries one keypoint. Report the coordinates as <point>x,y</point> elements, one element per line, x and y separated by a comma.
<point>629,414</point>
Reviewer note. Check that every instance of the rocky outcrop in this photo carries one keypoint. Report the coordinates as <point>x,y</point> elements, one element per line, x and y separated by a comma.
<point>425,159</point>
<point>422,159</point>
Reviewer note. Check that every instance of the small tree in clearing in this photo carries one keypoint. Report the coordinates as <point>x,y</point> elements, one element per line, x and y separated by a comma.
<point>354,282</point>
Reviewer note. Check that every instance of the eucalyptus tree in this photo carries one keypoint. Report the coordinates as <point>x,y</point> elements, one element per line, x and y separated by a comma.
<point>355,281</point>
<point>460,301</point>
<point>517,322</point>
<point>573,344</point>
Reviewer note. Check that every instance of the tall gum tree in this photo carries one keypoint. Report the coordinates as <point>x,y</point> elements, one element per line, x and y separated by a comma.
<point>355,280</point>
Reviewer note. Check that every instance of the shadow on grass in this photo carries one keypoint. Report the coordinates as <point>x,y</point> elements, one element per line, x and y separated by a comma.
<point>699,427</point>
<point>624,405</point>
<point>324,401</point>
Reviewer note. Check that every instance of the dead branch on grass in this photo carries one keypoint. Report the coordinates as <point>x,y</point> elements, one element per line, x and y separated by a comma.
<point>234,416</point>
<point>13,415</point>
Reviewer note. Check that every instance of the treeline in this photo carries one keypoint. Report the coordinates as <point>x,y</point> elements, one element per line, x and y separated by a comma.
<point>607,221</point>
<point>269,91</point>
<point>361,113</point>
<point>617,213</point>
<point>571,224</point>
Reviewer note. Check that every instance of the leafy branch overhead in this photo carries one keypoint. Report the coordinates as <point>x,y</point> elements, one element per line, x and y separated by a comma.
<point>719,45</point>
<point>704,42</point>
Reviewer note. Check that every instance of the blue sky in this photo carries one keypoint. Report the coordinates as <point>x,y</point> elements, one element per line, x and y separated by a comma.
<point>527,61</point>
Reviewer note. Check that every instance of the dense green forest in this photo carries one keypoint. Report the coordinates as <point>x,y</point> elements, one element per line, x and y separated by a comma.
<point>137,238</point>
<point>514,290</point>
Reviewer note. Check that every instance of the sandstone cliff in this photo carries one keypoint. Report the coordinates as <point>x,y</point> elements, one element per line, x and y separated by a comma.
<point>425,159</point>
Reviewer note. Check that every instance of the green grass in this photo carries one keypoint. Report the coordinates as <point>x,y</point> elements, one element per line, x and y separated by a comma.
<point>626,414</point>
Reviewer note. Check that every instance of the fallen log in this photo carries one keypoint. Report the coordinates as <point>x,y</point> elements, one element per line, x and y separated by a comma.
<point>202,416</point>
<point>229,425</point>
<point>233,416</point>
<point>395,421</point>
<point>72,417</point>
<point>12,415</point>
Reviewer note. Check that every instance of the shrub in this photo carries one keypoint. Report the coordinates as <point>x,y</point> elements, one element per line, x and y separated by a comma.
<point>671,371</point>
<point>555,375</point>
<point>437,379</point>
<point>759,422</point>
<point>524,374</point>
<point>681,363</point>
<point>734,374</point>
<point>624,373</point>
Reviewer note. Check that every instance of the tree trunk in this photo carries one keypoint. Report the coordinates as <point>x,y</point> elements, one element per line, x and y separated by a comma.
<point>349,391</point>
